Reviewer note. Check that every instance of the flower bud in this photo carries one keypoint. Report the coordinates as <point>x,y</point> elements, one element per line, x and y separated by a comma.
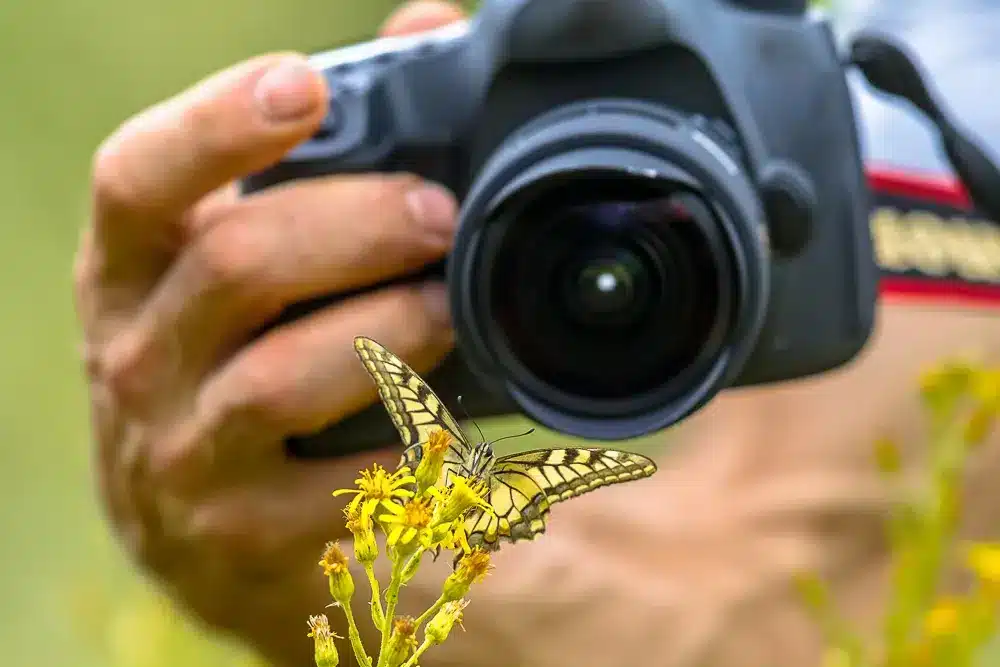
<point>440,626</point>
<point>325,648</point>
<point>401,642</point>
<point>429,469</point>
<point>472,568</point>
<point>334,563</point>
<point>365,546</point>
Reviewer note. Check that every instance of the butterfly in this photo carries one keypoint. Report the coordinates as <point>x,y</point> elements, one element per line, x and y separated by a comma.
<point>522,487</point>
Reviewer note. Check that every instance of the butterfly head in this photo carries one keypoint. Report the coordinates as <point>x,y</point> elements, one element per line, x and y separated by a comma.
<point>482,460</point>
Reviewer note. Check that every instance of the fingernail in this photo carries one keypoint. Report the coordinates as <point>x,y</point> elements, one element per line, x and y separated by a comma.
<point>434,208</point>
<point>287,92</point>
<point>436,302</point>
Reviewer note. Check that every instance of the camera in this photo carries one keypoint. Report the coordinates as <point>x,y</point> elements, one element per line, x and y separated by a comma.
<point>661,199</point>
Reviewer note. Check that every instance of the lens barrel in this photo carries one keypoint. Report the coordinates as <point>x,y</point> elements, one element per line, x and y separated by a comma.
<point>609,272</point>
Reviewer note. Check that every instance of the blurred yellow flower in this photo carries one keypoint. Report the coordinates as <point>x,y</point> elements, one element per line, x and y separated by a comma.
<point>378,487</point>
<point>984,561</point>
<point>943,619</point>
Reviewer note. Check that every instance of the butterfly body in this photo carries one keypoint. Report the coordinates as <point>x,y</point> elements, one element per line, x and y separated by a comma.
<point>521,487</point>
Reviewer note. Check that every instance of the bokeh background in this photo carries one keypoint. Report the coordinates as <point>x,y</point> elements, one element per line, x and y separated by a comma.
<point>71,71</point>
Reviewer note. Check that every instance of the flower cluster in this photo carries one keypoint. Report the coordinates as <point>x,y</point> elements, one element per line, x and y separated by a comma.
<point>921,627</point>
<point>417,512</point>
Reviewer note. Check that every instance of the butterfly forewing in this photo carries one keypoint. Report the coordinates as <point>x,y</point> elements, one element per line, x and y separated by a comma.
<point>524,486</point>
<point>413,407</point>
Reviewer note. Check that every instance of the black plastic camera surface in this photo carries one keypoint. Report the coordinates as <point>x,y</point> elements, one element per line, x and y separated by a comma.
<point>661,199</point>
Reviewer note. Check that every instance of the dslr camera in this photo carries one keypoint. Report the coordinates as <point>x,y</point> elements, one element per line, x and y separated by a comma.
<point>661,199</point>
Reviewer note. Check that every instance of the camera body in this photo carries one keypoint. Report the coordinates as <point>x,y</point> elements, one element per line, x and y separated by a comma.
<point>661,199</point>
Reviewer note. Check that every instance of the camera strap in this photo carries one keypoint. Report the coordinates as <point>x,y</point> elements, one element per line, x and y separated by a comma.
<point>931,244</point>
<point>936,240</point>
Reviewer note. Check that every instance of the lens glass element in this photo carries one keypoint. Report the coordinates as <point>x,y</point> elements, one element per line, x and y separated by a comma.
<point>607,286</point>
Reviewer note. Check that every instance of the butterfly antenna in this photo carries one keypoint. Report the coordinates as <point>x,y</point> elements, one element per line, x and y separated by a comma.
<point>516,435</point>
<point>469,417</point>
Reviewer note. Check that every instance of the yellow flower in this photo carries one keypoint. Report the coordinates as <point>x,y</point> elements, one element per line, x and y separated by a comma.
<point>325,648</point>
<point>429,469</point>
<point>459,498</point>
<point>401,642</point>
<point>943,619</point>
<point>334,563</point>
<point>472,568</point>
<point>439,627</point>
<point>984,561</point>
<point>408,521</point>
<point>360,526</point>
<point>887,456</point>
<point>986,388</point>
<point>978,428</point>
<point>947,379</point>
<point>378,487</point>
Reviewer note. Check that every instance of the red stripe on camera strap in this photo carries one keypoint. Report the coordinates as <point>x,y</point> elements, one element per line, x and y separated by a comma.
<point>931,244</point>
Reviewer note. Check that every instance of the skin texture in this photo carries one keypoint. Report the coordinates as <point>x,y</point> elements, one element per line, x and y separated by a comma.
<point>174,273</point>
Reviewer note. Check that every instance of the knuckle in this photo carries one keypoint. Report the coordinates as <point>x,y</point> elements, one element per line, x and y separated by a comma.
<point>110,184</point>
<point>124,365</point>
<point>250,413</point>
<point>224,259</point>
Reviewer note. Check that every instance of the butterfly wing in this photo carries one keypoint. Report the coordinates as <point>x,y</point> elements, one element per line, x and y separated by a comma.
<point>413,407</point>
<point>524,486</point>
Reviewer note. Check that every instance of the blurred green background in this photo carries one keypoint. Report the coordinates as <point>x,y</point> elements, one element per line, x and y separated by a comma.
<point>71,71</point>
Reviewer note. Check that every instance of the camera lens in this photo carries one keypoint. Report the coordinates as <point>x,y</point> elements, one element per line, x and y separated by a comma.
<point>606,289</point>
<point>605,286</point>
<point>608,274</point>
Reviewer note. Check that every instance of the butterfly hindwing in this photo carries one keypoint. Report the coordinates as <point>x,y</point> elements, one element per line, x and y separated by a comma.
<point>413,407</point>
<point>524,486</point>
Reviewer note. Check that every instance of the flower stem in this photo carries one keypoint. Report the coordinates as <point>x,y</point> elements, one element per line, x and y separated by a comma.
<point>356,644</point>
<point>416,654</point>
<point>434,608</point>
<point>378,615</point>
<point>391,598</point>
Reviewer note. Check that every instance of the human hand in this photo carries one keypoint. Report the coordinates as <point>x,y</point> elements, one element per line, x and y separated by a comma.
<point>173,277</point>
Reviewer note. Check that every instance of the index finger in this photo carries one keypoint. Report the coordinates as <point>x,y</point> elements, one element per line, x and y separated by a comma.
<point>165,160</point>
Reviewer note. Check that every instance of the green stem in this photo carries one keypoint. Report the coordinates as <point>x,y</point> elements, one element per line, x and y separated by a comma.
<point>416,654</point>
<point>423,618</point>
<point>378,615</point>
<point>391,597</point>
<point>356,644</point>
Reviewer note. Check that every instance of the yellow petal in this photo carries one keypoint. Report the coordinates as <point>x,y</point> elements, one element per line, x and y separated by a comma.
<point>393,507</point>
<point>394,535</point>
<point>409,535</point>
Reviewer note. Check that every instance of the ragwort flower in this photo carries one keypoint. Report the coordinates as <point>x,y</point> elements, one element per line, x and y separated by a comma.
<point>439,627</point>
<point>984,561</point>
<point>378,487</point>
<point>458,498</point>
<point>409,521</point>
<point>325,649</point>
<point>334,564</point>
<point>432,461</point>
<point>360,525</point>
<point>472,568</point>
